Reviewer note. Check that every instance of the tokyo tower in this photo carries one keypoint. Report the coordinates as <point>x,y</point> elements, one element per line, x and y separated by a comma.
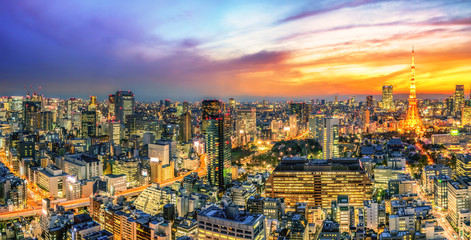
<point>413,122</point>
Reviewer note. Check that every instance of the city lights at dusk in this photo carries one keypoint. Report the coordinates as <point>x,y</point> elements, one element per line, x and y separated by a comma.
<point>235,120</point>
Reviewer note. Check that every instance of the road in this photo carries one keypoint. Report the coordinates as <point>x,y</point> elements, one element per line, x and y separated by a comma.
<point>440,217</point>
<point>443,222</point>
<point>82,202</point>
<point>422,151</point>
<point>300,136</point>
<point>35,209</point>
<point>34,205</point>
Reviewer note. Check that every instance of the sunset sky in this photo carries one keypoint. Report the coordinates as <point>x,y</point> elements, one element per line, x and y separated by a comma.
<point>245,49</point>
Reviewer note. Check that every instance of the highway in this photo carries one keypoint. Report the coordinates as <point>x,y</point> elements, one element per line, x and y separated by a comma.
<point>34,196</point>
<point>34,208</point>
<point>82,202</point>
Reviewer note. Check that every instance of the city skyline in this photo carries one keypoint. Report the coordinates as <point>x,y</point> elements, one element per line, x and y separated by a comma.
<point>290,50</point>
<point>227,120</point>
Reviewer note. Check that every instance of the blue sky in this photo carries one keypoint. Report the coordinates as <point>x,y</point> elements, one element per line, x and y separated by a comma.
<point>198,49</point>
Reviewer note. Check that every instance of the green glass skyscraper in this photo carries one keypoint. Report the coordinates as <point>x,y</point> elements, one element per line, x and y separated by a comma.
<point>217,132</point>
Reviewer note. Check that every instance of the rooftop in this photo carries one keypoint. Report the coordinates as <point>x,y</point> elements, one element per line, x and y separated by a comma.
<point>84,225</point>
<point>84,157</point>
<point>303,164</point>
<point>225,214</point>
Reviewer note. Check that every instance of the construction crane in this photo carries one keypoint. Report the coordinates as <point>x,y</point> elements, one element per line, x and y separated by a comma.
<point>27,92</point>
<point>30,93</point>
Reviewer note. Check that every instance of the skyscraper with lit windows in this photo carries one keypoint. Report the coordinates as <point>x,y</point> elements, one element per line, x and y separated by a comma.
<point>217,132</point>
<point>247,121</point>
<point>369,103</point>
<point>31,118</point>
<point>185,127</point>
<point>388,97</point>
<point>466,116</point>
<point>210,109</point>
<point>458,99</point>
<point>89,121</point>
<point>315,126</point>
<point>301,110</point>
<point>124,105</point>
<point>330,138</point>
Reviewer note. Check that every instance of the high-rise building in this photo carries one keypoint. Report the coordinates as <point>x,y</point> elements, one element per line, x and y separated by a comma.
<point>316,124</point>
<point>301,110</point>
<point>31,118</point>
<point>352,101</point>
<point>132,170</point>
<point>186,107</point>
<point>217,132</point>
<point>365,117</point>
<point>441,191</point>
<point>293,125</point>
<point>369,103</point>
<point>247,121</point>
<point>93,104</point>
<point>82,166</point>
<point>330,138</point>
<point>114,131</point>
<point>466,116</point>
<point>388,97</point>
<point>26,149</point>
<point>232,104</point>
<point>211,109</point>
<point>131,125</point>
<point>46,120</point>
<point>159,152</point>
<point>89,122</point>
<point>168,103</point>
<point>155,171</point>
<point>111,106</point>
<point>449,105</point>
<point>16,103</point>
<point>458,198</point>
<point>318,182</point>
<point>463,164</point>
<point>373,213</point>
<point>124,105</point>
<point>185,127</point>
<point>458,99</point>
<point>52,180</point>
<point>344,213</point>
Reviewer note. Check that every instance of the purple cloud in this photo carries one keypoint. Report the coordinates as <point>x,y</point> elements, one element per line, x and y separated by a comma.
<point>330,8</point>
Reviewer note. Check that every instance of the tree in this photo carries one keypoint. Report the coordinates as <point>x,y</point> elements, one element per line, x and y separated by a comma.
<point>452,162</point>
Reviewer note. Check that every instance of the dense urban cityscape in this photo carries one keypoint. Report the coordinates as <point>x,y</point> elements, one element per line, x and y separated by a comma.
<point>343,169</point>
<point>235,120</point>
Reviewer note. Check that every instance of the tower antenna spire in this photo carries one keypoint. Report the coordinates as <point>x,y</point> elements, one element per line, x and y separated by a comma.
<point>413,122</point>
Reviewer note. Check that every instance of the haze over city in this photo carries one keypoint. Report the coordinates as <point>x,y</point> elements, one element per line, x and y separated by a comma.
<point>235,120</point>
<point>246,49</point>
